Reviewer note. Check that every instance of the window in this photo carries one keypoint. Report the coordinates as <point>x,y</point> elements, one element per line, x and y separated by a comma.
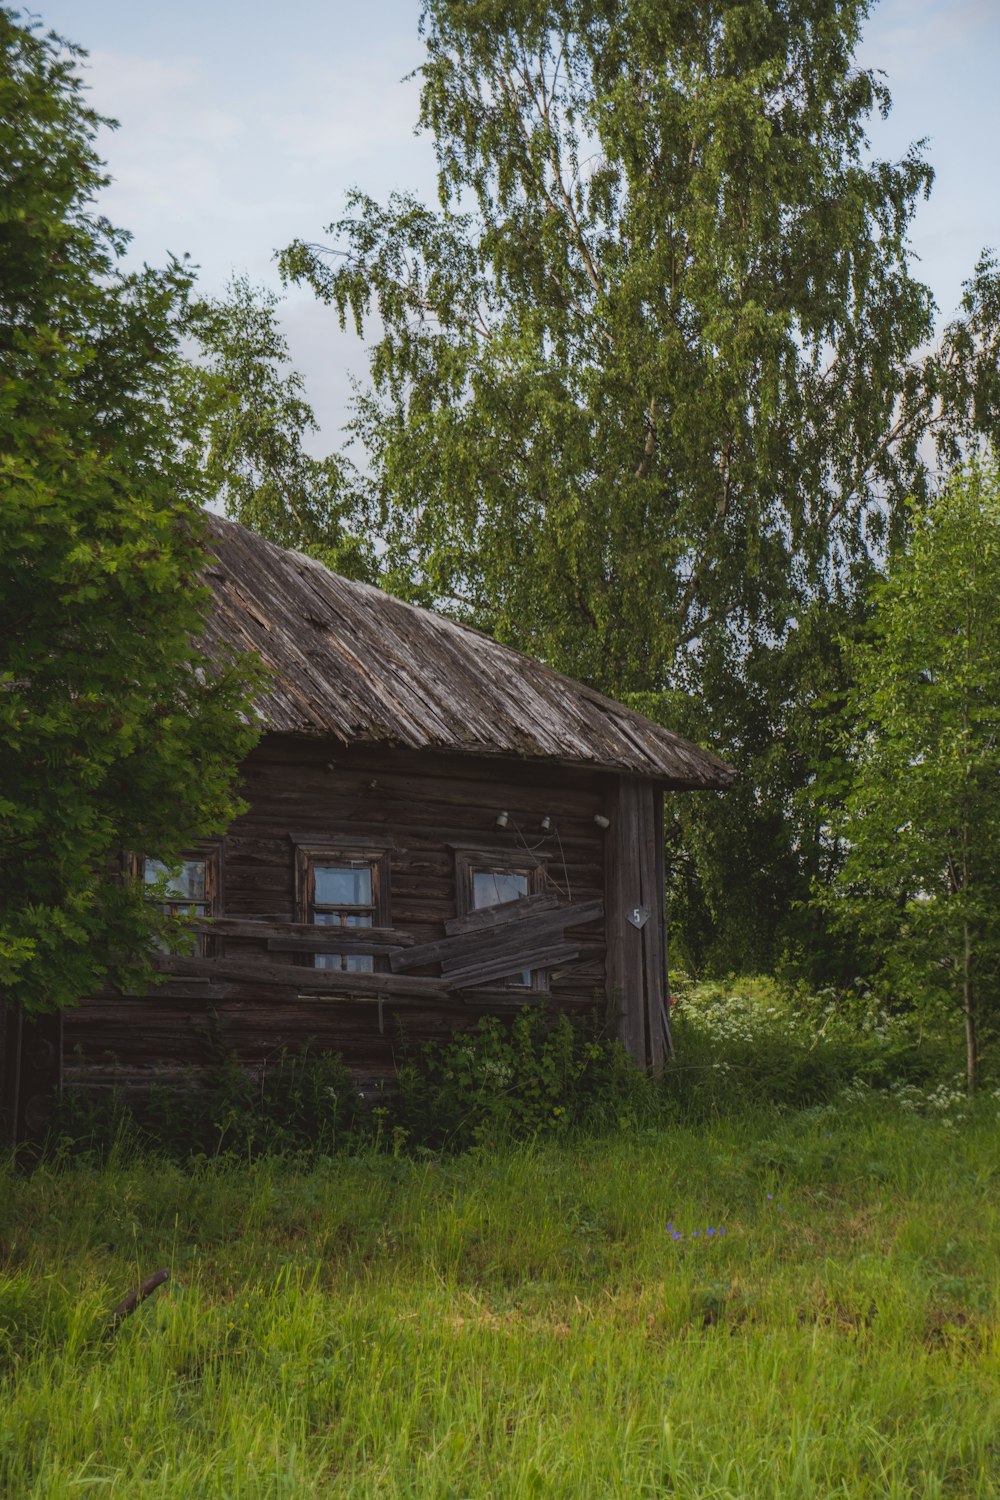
<point>492,880</point>
<point>345,889</point>
<point>190,890</point>
<point>495,887</point>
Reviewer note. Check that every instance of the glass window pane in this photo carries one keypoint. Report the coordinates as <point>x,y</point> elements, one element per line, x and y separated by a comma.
<point>496,887</point>
<point>185,908</point>
<point>186,885</point>
<point>354,963</point>
<point>342,885</point>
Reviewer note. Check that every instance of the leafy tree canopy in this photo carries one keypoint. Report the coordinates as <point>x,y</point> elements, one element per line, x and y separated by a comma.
<point>115,732</point>
<point>256,428</point>
<point>920,826</point>
<point>649,389</point>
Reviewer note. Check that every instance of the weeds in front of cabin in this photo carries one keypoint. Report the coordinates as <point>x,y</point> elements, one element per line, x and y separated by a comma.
<point>518,1322</point>
<point>540,1074</point>
<point>302,1101</point>
<point>741,1046</point>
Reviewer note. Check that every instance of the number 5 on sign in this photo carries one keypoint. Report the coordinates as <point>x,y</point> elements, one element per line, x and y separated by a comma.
<point>638,916</point>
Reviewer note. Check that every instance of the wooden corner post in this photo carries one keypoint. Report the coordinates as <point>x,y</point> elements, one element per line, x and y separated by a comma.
<point>30,1073</point>
<point>636,927</point>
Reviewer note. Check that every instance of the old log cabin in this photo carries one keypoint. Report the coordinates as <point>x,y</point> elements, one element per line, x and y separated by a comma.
<point>438,828</point>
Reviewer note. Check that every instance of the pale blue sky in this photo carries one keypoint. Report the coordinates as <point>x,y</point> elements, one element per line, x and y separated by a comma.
<point>242,125</point>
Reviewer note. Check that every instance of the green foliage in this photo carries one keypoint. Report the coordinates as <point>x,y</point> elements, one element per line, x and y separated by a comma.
<point>115,733</point>
<point>749,1044</point>
<point>649,390</point>
<point>536,1076</point>
<point>919,829</point>
<point>256,425</point>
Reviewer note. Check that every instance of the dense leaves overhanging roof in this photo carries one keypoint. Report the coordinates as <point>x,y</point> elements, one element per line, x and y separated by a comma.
<point>353,662</point>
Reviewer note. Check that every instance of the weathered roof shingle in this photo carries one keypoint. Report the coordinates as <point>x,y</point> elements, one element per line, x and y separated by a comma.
<point>353,662</point>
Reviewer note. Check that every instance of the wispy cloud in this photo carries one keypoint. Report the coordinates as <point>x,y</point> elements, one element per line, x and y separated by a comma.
<point>201,165</point>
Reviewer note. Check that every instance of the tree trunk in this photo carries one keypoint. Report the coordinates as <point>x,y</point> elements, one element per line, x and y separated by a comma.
<point>969,1011</point>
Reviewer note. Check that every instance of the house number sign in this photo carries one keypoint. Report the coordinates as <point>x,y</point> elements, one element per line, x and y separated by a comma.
<point>638,916</point>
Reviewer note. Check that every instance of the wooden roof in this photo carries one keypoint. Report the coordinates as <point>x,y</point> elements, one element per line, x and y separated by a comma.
<point>353,662</point>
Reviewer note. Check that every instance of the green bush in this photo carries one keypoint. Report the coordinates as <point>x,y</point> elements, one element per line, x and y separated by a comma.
<point>539,1075</point>
<point>753,1042</point>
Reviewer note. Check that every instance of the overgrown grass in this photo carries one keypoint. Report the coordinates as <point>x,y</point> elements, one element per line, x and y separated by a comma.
<point>518,1323</point>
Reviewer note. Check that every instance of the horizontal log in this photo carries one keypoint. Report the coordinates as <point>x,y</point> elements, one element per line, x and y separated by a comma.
<point>192,988</point>
<point>266,928</point>
<point>268,880</point>
<point>334,940</point>
<point>534,786</point>
<point>274,815</point>
<point>297,978</point>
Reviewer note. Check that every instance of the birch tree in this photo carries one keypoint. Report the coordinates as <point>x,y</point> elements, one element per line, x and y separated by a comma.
<point>649,387</point>
<point>921,823</point>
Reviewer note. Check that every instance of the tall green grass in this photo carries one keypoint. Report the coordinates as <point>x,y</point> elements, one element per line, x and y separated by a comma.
<point>518,1323</point>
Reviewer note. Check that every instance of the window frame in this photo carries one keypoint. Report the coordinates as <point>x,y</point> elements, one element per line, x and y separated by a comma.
<point>211,856</point>
<point>308,856</point>
<point>473,861</point>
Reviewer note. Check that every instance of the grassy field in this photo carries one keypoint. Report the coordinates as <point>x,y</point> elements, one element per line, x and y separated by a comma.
<point>794,1306</point>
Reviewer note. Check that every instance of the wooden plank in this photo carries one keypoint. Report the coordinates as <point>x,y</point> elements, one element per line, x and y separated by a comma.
<point>331,940</point>
<point>530,924</point>
<point>298,978</point>
<point>503,968</point>
<point>534,932</point>
<point>266,928</point>
<point>349,834</point>
<point>589,960</point>
<point>498,916</point>
<point>284,753</point>
<point>445,1005</point>
<point>179,989</point>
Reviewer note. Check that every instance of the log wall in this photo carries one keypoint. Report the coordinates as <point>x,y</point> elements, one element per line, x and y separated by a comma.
<point>424,808</point>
